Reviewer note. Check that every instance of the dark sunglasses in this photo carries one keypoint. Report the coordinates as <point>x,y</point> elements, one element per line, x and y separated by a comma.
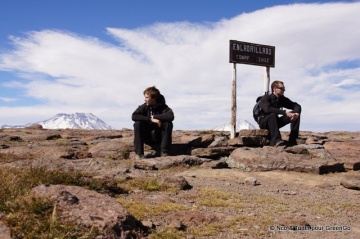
<point>281,88</point>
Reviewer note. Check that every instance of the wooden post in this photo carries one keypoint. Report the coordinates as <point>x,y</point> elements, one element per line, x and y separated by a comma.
<point>253,54</point>
<point>233,104</point>
<point>266,80</point>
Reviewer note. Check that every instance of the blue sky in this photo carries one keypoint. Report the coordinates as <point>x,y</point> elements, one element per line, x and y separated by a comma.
<point>98,56</point>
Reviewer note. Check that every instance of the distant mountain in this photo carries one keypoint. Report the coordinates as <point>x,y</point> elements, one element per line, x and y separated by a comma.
<point>74,121</point>
<point>6,126</point>
<point>241,124</point>
<point>70,121</point>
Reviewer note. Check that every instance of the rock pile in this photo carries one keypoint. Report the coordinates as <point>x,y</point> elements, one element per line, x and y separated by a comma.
<point>104,152</point>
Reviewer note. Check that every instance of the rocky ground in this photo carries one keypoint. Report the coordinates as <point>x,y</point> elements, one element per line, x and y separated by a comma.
<point>234,188</point>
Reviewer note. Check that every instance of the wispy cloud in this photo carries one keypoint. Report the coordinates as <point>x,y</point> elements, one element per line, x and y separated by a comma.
<point>189,64</point>
<point>4,99</point>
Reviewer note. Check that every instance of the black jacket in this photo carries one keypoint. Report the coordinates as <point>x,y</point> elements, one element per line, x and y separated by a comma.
<point>160,111</point>
<point>272,104</point>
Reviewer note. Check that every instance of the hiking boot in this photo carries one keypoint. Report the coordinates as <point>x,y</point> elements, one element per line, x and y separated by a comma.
<point>139,156</point>
<point>157,150</point>
<point>157,153</point>
<point>164,154</point>
<point>291,143</point>
<point>277,143</point>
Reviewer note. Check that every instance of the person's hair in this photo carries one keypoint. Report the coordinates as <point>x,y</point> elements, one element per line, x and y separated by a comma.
<point>275,84</point>
<point>152,91</point>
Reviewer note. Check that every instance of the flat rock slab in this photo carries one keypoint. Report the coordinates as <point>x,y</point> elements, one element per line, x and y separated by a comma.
<point>351,183</point>
<point>212,152</point>
<point>308,159</point>
<point>168,162</point>
<point>351,157</point>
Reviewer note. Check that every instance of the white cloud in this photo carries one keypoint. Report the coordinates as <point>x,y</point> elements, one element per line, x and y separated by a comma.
<point>189,63</point>
<point>5,99</point>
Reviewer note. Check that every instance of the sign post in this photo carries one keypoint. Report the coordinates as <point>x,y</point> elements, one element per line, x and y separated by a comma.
<point>266,80</point>
<point>252,54</point>
<point>233,104</point>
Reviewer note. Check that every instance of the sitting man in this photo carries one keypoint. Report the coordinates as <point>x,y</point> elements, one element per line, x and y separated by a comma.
<point>153,124</point>
<point>271,107</point>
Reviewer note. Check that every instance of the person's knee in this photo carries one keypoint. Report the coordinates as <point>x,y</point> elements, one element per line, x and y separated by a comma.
<point>272,116</point>
<point>168,125</point>
<point>268,120</point>
<point>139,125</point>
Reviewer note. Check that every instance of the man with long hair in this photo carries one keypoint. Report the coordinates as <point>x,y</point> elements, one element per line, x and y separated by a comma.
<point>153,124</point>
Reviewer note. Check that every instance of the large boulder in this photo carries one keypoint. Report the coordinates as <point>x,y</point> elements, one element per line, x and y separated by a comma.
<point>113,149</point>
<point>92,209</point>
<point>248,137</point>
<point>307,158</point>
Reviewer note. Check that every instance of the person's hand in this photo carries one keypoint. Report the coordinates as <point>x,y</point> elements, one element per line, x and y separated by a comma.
<point>156,121</point>
<point>292,116</point>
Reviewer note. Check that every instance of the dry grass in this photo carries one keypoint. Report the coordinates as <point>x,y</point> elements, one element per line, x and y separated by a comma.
<point>142,184</point>
<point>8,157</point>
<point>209,198</point>
<point>33,217</point>
<point>142,210</point>
<point>215,198</point>
<point>246,220</point>
<point>168,233</point>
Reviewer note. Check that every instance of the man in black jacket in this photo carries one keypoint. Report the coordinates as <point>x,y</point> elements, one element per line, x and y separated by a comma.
<point>153,124</point>
<point>271,107</point>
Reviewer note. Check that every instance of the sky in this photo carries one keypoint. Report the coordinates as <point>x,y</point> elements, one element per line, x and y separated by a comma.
<point>92,56</point>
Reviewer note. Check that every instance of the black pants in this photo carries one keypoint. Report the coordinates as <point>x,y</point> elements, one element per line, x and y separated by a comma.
<point>273,123</point>
<point>151,134</point>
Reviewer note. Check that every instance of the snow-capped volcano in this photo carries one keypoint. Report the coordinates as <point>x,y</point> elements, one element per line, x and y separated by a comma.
<point>74,121</point>
<point>241,124</point>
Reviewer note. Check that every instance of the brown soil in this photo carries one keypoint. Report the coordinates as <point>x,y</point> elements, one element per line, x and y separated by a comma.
<point>318,205</point>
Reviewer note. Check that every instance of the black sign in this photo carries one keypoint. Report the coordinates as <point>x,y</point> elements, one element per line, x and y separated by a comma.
<point>253,54</point>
